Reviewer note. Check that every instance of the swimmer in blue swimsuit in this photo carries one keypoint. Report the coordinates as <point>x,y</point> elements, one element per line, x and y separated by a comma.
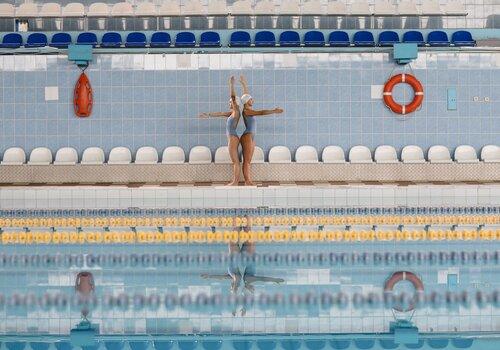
<point>247,139</point>
<point>233,140</point>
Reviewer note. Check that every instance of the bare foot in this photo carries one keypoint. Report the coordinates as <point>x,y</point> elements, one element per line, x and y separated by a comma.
<point>233,183</point>
<point>249,183</point>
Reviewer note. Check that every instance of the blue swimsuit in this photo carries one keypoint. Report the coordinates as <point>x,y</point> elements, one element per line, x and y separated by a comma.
<point>249,124</point>
<point>231,127</point>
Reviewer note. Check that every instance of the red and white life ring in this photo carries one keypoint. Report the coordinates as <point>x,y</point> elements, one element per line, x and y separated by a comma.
<point>417,88</point>
<point>404,276</point>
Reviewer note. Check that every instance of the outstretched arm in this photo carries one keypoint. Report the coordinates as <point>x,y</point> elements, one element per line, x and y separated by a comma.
<point>262,112</point>
<point>215,115</point>
<point>216,277</point>
<point>244,84</point>
<point>252,279</point>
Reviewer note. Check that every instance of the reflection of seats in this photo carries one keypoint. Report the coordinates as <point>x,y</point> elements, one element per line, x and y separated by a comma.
<point>200,155</point>
<point>146,155</point>
<point>258,155</point>
<point>360,154</point>
<point>386,154</point>
<point>280,154</point>
<point>490,154</point>
<point>333,154</point>
<point>40,156</point>
<point>465,154</point>
<point>173,155</point>
<point>306,154</point>
<point>222,155</point>
<point>120,155</point>
<point>66,156</point>
<point>93,155</point>
<point>14,156</point>
<point>439,154</point>
<point>412,154</point>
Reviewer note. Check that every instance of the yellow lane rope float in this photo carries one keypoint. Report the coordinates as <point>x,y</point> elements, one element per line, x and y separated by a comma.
<point>224,236</point>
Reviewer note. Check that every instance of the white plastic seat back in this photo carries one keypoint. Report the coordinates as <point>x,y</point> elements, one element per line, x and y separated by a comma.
<point>173,155</point>
<point>146,155</point>
<point>73,9</point>
<point>258,155</point>
<point>306,154</point>
<point>386,154</point>
<point>384,7</point>
<point>200,155</point>
<point>333,154</point>
<point>454,7</point>
<point>360,154</point>
<point>7,10</point>
<point>289,7</point>
<point>312,7</point>
<point>217,7</point>
<point>336,8</point>
<point>242,7</point>
<point>66,156</point>
<point>93,155</point>
<point>50,9</point>
<point>222,155</point>
<point>193,7</point>
<point>98,9</point>
<point>27,10</point>
<point>122,9</point>
<point>439,154</point>
<point>120,155</point>
<point>408,8</point>
<point>14,156</point>
<point>264,7</point>
<point>280,154</point>
<point>360,8</point>
<point>412,154</point>
<point>431,7</point>
<point>490,154</point>
<point>146,9</point>
<point>40,156</point>
<point>465,154</point>
<point>170,8</point>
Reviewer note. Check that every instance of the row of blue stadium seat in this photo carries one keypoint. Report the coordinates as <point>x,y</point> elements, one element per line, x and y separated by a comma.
<point>242,39</point>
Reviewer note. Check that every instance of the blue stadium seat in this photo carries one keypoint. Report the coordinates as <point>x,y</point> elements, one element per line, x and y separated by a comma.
<point>12,41</point>
<point>160,39</point>
<point>265,38</point>
<point>60,40</point>
<point>388,38</point>
<point>36,40</point>
<point>240,39</point>
<point>438,38</point>
<point>87,38</point>
<point>289,38</point>
<point>185,39</point>
<point>111,39</point>
<point>314,38</point>
<point>136,39</point>
<point>339,38</point>
<point>363,38</point>
<point>415,37</point>
<point>462,38</point>
<point>210,39</point>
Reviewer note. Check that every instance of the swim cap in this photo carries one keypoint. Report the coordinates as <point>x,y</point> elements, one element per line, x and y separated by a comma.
<point>245,98</point>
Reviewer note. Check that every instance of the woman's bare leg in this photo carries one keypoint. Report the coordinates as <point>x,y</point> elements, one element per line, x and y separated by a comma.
<point>233,143</point>
<point>248,145</point>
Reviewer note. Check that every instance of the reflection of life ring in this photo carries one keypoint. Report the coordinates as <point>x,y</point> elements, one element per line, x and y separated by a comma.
<point>403,276</point>
<point>417,89</point>
<point>83,99</point>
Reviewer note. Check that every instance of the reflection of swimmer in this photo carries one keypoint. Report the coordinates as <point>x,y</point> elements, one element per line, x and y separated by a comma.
<point>84,287</point>
<point>242,268</point>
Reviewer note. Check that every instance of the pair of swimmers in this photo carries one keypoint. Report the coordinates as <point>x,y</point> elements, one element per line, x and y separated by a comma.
<point>241,107</point>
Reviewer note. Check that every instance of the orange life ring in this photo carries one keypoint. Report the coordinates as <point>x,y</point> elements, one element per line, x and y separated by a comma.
<point>417,88</point>
<point>403,276</point>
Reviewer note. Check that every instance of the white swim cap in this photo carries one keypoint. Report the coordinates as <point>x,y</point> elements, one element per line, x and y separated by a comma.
<point>245,98</point>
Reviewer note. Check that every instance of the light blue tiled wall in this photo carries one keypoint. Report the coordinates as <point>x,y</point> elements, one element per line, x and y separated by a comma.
<point>155,100</point>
